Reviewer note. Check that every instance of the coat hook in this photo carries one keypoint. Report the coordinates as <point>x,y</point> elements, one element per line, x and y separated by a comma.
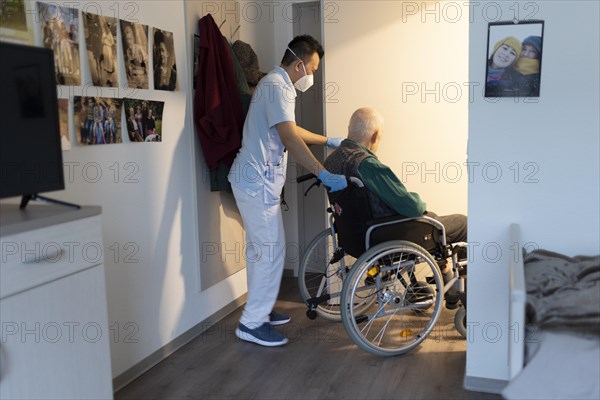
<point>233,34</point>
<point>222,23</point>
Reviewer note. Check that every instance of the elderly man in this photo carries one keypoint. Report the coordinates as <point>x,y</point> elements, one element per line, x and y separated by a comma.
<point>355,157</point>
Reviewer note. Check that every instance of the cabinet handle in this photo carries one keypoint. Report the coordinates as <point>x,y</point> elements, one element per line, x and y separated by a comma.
<point>52,255</point>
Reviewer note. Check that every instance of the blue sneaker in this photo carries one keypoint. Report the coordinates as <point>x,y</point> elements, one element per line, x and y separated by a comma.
<point>265,335</point>
<point>278,319</point>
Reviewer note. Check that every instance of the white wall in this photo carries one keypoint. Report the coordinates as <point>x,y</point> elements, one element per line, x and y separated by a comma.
<point>257,20</point>
<point>388,54</point>
<point>156,297</point>
<point>221,234</point>
<point>559,134</point>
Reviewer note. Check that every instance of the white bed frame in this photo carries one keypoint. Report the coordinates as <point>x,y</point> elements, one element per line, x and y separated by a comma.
<point>516,320</point>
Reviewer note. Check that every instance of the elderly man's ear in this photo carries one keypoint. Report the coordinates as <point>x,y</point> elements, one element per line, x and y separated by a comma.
<point>374,142</point>
<point>375,137</point>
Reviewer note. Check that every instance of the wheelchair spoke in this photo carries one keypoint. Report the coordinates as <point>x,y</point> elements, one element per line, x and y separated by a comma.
<point>407,306</point>
<point>383,328</point>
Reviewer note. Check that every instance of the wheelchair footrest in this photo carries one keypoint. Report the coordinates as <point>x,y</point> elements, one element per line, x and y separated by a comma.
<point>360,319</point>
<point>337,256</point>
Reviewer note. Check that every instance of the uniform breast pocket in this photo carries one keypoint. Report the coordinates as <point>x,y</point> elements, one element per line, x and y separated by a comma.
<point>274,181</point>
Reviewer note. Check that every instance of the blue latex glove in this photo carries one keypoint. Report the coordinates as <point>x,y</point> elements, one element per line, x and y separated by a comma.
<point>334,142</point>
<point>332,181</point>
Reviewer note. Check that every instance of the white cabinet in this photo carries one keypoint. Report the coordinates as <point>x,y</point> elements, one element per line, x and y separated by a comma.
<point>54,339</point>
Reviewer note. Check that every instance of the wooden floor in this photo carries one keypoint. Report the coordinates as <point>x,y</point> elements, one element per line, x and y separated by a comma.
<point>320,362</point>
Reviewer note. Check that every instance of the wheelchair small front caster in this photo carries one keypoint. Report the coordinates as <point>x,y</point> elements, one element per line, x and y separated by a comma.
<point>311,313</point>
<point>460,321</point>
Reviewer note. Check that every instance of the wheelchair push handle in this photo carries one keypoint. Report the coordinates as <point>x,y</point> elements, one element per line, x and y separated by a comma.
<point>303,178</point>
<point>306,177</point>
<point>355,181</point>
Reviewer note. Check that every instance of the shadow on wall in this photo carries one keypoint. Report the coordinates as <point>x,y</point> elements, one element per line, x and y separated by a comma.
<point>220,229</point>
<point>174,307</point>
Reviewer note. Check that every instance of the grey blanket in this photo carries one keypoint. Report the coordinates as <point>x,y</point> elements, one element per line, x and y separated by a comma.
<point>563,293</point>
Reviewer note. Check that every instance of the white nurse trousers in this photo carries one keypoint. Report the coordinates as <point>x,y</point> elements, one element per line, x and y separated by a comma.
<point>265,255</point>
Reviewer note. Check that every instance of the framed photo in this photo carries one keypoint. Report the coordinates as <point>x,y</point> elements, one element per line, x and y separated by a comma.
<point>514,59</point>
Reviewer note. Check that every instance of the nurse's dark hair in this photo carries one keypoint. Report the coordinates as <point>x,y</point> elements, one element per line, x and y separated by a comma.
<point>304,46</point>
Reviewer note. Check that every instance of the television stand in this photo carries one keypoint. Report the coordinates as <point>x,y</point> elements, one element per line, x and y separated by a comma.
<point>26,197</point>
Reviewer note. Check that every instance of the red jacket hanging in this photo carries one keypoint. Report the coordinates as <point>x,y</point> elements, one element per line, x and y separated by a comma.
<point>217,105</point>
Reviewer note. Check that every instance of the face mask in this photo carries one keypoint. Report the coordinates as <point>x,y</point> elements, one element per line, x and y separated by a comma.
<point>304,83</point>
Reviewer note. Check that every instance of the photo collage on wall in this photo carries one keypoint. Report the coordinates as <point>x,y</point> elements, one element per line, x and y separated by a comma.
<point>97,120</point>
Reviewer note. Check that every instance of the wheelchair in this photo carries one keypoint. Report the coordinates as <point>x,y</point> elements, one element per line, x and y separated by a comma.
<point>387,293</point>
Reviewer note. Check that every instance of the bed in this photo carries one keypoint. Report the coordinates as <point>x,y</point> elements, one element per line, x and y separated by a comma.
<point>556,301</point>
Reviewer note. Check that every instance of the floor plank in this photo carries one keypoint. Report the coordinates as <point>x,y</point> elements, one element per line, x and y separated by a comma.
<point>320,362</point>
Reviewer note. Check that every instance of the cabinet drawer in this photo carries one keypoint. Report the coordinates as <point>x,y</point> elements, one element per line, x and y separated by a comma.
<point>35,257</point>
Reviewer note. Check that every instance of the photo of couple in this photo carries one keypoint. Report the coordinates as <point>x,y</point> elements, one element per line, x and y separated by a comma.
<point>514,63</point>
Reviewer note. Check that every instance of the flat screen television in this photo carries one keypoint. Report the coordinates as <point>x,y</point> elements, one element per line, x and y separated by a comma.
<point>30,143</point>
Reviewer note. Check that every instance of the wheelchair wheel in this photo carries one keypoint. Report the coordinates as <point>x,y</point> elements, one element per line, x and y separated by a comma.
<point>406,301</point>
<point>460,321</point>
<point>320,278</point>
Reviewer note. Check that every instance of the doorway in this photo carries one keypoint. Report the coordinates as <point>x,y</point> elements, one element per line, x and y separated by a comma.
<point>310,110</point>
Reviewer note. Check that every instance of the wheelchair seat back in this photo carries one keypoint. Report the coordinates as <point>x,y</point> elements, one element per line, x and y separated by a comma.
<point>353,217</point>
<point>351,213</point>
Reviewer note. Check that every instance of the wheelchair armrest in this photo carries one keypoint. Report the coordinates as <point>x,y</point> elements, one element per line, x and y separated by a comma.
<point>356,181</point>
<point>401,219</point>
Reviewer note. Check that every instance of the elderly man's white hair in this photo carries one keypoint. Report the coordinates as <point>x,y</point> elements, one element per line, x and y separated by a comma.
<point>364,123</point>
